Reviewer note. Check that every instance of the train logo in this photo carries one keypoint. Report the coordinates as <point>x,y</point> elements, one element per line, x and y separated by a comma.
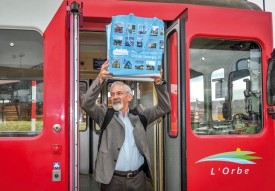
<point>238,156</point>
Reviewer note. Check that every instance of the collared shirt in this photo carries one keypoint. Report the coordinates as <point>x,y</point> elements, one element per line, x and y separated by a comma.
<point>129,157</point>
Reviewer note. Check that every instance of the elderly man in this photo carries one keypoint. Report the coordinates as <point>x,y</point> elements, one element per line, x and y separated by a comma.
<point>123,153</point>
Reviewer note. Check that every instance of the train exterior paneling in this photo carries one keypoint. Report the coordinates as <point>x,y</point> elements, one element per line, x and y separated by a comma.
<point>217,174</point>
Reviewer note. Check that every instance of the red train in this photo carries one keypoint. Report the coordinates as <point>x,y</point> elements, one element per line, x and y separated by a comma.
<point>218,65</point>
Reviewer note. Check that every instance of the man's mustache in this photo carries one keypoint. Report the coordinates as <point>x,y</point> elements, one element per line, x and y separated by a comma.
<point>116,101</point>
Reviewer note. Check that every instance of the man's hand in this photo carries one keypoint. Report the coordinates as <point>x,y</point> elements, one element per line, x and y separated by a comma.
<point>103,73</point>
<point>158,79</point>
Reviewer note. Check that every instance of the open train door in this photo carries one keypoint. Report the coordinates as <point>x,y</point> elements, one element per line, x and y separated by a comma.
<point>174,137</point>
<point>220,134</point>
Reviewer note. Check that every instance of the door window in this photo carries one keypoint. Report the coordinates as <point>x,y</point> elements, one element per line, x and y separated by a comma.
<point>21,82</point>
<point>225,87</point>
<point>172,52</point>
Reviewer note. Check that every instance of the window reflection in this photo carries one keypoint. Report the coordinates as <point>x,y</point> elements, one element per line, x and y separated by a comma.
<point>225,87</point>
<point>21,83</point>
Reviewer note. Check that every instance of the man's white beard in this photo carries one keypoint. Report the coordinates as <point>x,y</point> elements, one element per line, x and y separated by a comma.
<point>118,106</point>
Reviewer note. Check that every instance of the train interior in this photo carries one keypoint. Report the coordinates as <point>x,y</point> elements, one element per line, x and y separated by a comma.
<point>92,56</point>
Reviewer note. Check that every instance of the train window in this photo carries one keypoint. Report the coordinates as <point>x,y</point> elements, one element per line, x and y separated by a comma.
<point>21,83</point>
<point>225,87</point>
<point>173,67</point>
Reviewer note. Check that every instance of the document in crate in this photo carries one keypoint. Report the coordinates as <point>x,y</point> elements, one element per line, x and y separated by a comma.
<point>135,46</point>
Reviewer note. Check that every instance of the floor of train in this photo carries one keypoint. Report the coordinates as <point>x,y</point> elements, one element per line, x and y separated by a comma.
<point>88,183</point>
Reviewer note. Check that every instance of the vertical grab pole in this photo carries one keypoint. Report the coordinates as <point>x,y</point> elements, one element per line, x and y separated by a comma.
<point>74,96</point>
<point>157,154</point>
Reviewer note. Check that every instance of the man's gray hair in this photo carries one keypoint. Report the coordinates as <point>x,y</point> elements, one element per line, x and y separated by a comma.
<point>119,83</point>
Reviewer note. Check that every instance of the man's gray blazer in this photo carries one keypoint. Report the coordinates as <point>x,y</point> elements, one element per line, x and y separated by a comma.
<point>113,136</point>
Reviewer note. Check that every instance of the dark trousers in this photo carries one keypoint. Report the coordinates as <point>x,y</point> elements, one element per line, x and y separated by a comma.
<point>137,183</point>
